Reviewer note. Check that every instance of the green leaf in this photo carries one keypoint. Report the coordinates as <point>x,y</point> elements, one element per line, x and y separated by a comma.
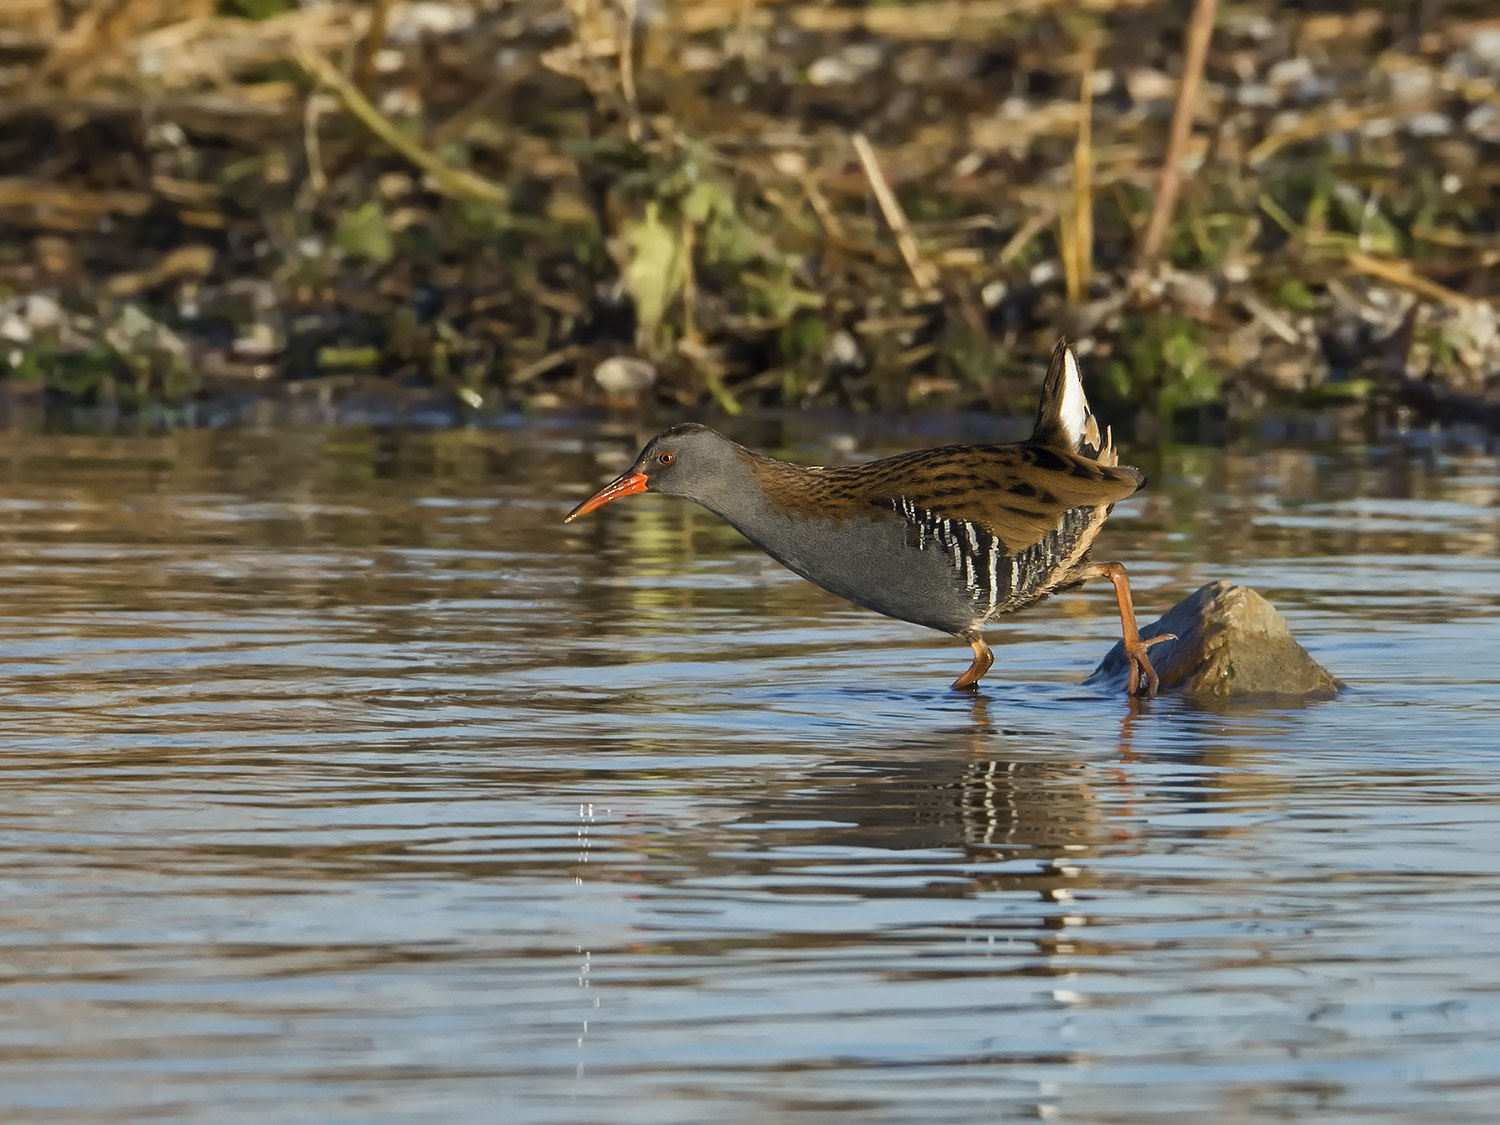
<point>256,9</point>
<point>706,200</point>
<point>1295,295</point>
<point>654,276</point>
<point>365,233</point>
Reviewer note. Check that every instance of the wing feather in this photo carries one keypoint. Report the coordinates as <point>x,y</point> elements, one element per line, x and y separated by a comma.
<point>1019,494</point>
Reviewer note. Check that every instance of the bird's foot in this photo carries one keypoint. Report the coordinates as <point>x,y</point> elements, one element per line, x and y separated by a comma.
<point>983,658</point>
<point>1143,678</point>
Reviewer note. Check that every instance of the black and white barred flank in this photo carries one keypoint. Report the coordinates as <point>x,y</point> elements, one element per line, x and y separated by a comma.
<point>996,579</point>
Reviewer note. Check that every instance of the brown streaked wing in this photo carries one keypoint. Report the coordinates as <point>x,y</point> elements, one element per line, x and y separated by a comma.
<point>1017,493</point>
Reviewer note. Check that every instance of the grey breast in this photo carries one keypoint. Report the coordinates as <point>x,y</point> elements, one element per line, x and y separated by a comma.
<point>872,562</point>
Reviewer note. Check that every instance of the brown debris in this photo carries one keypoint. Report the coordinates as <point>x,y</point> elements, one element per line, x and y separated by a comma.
<point>778,202</point>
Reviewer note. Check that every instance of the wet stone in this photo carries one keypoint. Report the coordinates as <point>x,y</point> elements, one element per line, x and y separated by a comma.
<point>1231,644</point>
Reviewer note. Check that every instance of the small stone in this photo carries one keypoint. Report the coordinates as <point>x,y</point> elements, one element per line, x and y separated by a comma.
<point>165,134</point>
<point>1191,290</point>
<point>1252,25</point>
<point>1484,122</point>
<point>831,71</point>
<point>842,353</point>
<point>258,341</point>
<point>400,102</point>
<point>624,376</point>
<point>411,23</point>
<point>14,330</point>
<point>395,185</point>
<point>790,164</point>
<point>699,58</point>
<point>850,65</point>
<point>1045,272</point>
<point>25,317</point>
<point>1484,46</point>
<point>1256,95</point>
<point>135,332</point>
<point>1101,82</point>
<point>1412,83</point>
<point>1147,85</point>
<point>1231,644</point>
<point>864,56</point>
<point>1296,71</point>
<point>1429,124</point>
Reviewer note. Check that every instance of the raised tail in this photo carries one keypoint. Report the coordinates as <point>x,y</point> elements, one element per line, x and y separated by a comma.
<point>1064,420</point>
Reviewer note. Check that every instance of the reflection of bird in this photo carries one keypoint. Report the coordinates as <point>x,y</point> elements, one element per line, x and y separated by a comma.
<point>950,538</point>
<point>1038,806</point>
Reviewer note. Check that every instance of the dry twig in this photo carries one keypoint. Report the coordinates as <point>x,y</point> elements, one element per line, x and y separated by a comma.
<point>364,66</point>
<point>1401,273</point>
<point>1077,230</point>
<point>1200,31</point>
<point>922,271</point>
<point>457,182</point>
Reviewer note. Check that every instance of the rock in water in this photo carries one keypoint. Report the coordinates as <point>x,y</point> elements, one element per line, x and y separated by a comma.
<point>1231,644</point>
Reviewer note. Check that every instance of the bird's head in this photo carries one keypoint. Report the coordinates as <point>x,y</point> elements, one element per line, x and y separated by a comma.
<point>685,460</point>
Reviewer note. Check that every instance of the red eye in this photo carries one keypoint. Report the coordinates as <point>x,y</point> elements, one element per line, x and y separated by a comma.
<point>665,457</point>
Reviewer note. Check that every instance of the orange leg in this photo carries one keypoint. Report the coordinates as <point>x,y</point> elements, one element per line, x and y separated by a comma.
<point>1143,678</point>
<point>983,658</point>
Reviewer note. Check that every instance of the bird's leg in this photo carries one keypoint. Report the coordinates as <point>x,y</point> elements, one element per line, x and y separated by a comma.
<point>983,658</point>
<point>1143,678</point>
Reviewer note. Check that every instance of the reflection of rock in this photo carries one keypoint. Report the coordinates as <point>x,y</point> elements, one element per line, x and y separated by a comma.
<point>1230,643</point>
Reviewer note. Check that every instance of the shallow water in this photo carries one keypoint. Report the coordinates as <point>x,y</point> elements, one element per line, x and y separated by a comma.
<point>344,784</point>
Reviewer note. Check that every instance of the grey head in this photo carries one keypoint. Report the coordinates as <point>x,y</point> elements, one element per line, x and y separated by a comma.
<point>688,460</point>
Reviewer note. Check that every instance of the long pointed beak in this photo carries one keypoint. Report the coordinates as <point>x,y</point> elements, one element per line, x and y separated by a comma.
<point>626,485</point>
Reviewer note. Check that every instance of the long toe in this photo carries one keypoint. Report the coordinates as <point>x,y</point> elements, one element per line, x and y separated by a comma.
<point>1143,679</point>
<point>983,658</point>
<point>969,681</point>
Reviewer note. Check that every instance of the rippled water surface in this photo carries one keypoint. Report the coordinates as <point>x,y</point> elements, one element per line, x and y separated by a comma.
<point>342,783</point>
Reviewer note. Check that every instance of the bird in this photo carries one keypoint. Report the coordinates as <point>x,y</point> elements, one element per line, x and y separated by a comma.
<point>950,537</point>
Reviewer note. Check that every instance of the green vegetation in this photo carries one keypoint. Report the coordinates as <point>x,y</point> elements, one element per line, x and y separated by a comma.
<point>492,200</point>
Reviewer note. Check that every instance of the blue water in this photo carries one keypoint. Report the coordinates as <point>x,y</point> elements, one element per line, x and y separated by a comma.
<point>344,784</point>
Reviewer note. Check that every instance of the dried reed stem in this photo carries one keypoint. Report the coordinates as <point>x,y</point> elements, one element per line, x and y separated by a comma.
<point>1078,230</point>
<point>1029,230</point>
<point>364,67</point>
<point>922,272</point>
<point>630,8</point>
<point>1401,273</point>
<point>317,181</point>
<point>689,281</point>
<point>1200,31</point>
<point>826,215</point>
<point>457,182</point>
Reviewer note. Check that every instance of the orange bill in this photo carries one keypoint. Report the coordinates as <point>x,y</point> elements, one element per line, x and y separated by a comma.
<point>627,485</point>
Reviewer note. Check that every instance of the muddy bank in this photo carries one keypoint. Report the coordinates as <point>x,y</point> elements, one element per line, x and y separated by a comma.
<point>749,205</point>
